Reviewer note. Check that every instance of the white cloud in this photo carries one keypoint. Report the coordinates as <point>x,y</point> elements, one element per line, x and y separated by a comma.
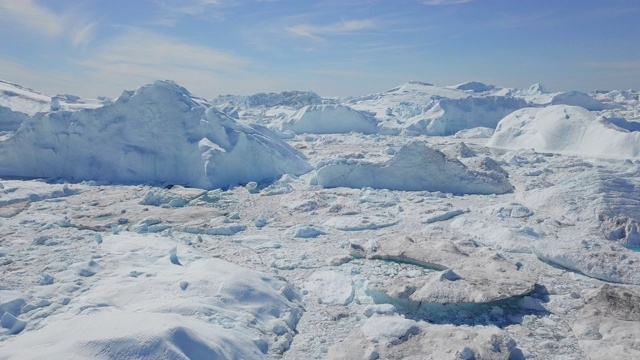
<point>31,16</point>
<point>143,47</point>
<point>344,27</point>
<point>140,56</point>
<point>170,11</point>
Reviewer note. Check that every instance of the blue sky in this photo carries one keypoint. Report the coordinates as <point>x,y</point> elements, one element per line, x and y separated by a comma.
<point>333,47</point>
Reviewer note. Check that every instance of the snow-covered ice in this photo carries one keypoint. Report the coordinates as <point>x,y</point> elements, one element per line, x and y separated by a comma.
<point>328,119</point>
<point>164,225</point>
<point>28,101</point>
<point>413,167</point>
<point>157,134</point>
<point>568,130</point>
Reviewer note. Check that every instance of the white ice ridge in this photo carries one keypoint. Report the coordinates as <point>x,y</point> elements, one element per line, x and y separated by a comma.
<point>449,116</point>
<point>331,119</point>
<point>414,167</point>
<point>568,130</point>
<point>21,99</point>
<point>157,134</point>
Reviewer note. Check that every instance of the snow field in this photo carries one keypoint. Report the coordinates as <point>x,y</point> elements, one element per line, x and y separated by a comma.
<point>442,247</point>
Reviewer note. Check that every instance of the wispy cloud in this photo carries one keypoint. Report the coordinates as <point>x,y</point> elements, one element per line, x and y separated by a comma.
<point>146,48</point>
<point>445,2</point>
<point>84,34</point>
<point>189,7</point>
<point>32,17</point>
<point>170,11</point>
<point>140,56</point>
<point>316,32</point>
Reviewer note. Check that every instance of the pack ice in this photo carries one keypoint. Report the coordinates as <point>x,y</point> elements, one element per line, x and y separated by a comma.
<point>301,227</point>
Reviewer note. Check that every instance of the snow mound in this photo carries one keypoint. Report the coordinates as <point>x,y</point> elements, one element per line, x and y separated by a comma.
<point>567,130</point>
<point>450,116</point>
<point>394,337</point>
<point>158,134</point>
<point>331,119</point>
<point>142,305</point>
<point>414,167</point>
<point>576,98</point>
<point>126,335</point>
<point>459,150</point>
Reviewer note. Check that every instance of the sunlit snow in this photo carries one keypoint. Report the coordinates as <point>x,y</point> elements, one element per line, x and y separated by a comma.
<point>468,221</point>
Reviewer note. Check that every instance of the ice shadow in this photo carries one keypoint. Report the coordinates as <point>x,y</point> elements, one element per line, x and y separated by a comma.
<point>622,123</point>
<point>500,313</point>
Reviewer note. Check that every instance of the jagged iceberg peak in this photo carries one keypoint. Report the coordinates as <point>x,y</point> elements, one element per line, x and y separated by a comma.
<point>162,90</point>
<point>537,88</point>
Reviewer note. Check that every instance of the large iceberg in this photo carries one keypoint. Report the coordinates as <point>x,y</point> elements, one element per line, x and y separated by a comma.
<point>449,116</point>
<point>159,133</point>
<point>414,167</point>
<point>418,108</point>
<point>568,130</point>
<point>331,119</point>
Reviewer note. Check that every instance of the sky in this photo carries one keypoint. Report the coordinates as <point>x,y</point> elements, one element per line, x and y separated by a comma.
<point>96,48</point>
